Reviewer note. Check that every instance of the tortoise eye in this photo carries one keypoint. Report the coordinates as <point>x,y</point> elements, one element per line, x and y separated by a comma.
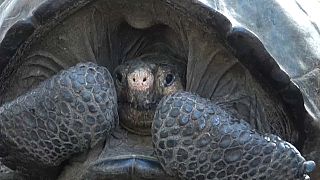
<point>119,77</point>
<point>169,80</point>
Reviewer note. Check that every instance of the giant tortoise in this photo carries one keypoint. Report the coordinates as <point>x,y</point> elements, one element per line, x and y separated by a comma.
<point>154,89</point>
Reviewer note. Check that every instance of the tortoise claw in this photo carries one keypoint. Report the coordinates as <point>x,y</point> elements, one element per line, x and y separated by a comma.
<point>306,177</point>
<point>309,166</point>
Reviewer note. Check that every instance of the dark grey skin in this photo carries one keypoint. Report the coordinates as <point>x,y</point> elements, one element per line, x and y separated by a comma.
<point>193,138</point>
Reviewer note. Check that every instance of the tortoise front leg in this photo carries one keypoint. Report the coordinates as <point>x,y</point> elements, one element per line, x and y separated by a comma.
<point>195,139</point>
<point>67,114</point>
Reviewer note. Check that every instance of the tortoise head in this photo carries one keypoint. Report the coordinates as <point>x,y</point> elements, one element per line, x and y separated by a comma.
<point>141,83</point>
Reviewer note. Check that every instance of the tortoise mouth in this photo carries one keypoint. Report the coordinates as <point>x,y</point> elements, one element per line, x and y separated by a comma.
<point>136,120</point>
<point>142,107</point>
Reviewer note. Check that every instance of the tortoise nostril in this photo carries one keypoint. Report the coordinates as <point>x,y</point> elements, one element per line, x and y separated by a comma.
<point>140,79</point>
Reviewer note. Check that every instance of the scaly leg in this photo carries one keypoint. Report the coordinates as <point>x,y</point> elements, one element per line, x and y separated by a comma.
<point>195,139</point>
<point>65,115</point>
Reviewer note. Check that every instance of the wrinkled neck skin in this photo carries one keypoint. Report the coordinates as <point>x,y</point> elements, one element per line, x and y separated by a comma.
<point>140,85</point>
